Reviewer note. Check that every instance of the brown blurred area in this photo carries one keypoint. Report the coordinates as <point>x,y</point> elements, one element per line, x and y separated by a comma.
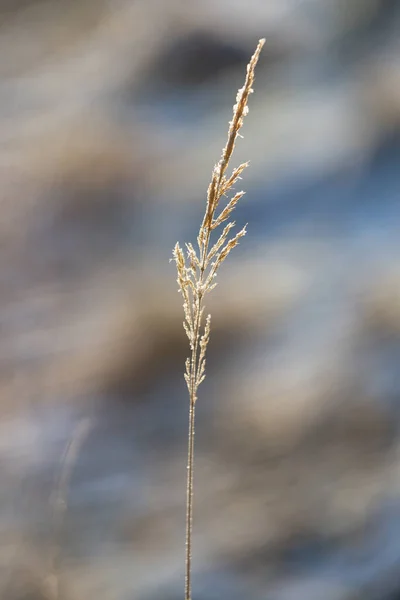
<point>112,114</point>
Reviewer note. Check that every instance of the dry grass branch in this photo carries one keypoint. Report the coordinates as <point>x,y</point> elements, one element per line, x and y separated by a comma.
<point>196,275</point>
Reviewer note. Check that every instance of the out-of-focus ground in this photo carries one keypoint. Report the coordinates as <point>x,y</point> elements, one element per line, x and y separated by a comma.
<point>112,114</point>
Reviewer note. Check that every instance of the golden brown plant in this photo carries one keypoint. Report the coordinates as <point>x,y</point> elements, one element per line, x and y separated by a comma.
<point>196,279</point>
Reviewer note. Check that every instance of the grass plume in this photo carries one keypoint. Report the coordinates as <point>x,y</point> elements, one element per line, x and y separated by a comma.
<point>196,278</point>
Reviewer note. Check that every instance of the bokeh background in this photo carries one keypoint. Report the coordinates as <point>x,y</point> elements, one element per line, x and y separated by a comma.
<point>112,114</point>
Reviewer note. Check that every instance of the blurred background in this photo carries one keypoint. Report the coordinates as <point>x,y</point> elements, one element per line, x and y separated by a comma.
<point>112,115</point>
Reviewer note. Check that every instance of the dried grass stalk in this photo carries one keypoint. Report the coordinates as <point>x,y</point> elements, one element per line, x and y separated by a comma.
<point>196,275</point>
<point>59,503</point>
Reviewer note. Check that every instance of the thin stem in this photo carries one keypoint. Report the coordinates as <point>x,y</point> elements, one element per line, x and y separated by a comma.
<point>190,463</point>
<point>59,499</point>
<point>189,502</point>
